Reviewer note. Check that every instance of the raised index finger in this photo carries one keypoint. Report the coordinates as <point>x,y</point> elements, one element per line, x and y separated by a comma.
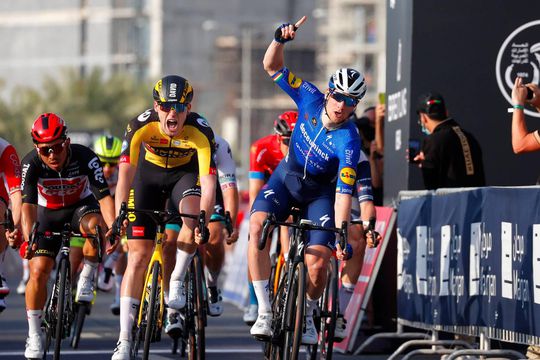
<point>300,22</point>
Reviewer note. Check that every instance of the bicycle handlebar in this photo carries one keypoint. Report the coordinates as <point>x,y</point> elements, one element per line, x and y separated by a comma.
<point>271,221</point>
<point>370,229</point>
<point>8,222</point>
<point>164,216</point>
<point>117,224</point>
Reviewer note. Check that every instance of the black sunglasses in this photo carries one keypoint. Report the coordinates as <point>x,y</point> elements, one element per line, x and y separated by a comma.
<point>339,97</point>
<point>179,108</point>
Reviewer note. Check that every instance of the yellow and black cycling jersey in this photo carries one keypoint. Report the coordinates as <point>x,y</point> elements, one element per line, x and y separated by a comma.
<point>192,148</point>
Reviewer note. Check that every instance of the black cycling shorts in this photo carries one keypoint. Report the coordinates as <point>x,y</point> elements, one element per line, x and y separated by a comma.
<point>219,209</point>
<point>151,193</point>
<point>54,220</point>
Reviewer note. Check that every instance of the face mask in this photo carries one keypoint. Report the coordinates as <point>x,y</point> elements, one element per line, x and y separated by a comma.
<point>424,130</point>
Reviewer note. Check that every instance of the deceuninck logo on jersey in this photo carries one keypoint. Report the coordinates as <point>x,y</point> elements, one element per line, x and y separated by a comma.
<point>519,55</point>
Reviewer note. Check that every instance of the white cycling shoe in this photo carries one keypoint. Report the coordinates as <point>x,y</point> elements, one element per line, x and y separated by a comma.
<point>262,329</point>
<point>122,350</point>
<point>177,295</point>
<point>34,347</point>
<point>309,336</point>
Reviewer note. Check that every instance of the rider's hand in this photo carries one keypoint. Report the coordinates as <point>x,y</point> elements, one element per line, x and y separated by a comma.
<point>373,238</point>
<point>287,32</point>
<point>233,238</point>
<point>14,238</point>
<point>113,247</point>
<point>198,236</point>
<point>343,255</point>
<point>26,252</point>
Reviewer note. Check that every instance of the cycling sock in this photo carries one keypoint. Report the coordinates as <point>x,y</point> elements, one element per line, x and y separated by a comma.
<point>261,290</point>
<point>166,297</point>
<point>212,277</point>
<point>311,305</point>
<point>34,321</point>
<point>88,269</point>
<point>183,259</point>
<point>252,295</point>
<point>111,260</point>
<point>118,282</point>
<point>128,311</point>
<point>345,293</point>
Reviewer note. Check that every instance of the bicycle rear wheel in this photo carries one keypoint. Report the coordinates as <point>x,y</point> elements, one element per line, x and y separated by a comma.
<point>273,348</point>
<point>63,292</point>
<point>294,315</point>
<point>329,310</point>
<point>79,322</point>
<point>196,340</point>
<point>152,312</point>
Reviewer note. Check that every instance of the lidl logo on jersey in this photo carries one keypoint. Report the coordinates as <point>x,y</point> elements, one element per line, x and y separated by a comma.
<point>348,175</point>
<point>294,81</point>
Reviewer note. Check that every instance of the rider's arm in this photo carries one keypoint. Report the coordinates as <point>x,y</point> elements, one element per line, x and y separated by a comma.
<point>342,208</point>
<point>255,185</point>
<point>28,218</point>
<point>273,59</point>
<point>208,194</point>
<point>227,178</point>
<point>106,205</point>
<point>126,173</point>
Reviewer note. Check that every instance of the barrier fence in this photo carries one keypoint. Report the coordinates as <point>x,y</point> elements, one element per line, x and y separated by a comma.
<point>469,262</point>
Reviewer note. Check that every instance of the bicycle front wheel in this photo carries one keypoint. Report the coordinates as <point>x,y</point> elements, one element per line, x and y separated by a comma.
<point>152,312</point>
<point>196,335</point>
<point>63,292</point>
<point>79,322</point>
<point>329,309</point>
<point>294,315</point>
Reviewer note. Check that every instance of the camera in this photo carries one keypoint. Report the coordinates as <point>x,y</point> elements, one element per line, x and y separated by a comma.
<point>530,94</point>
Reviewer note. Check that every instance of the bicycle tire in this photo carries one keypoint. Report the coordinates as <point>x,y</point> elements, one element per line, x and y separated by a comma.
<point>61,310</point>
<point>152,312</point>
<point>330,307</point>
<point>200,309</point>
<point>294,316</point>
<point>274,347</point>
<point>77,329</point>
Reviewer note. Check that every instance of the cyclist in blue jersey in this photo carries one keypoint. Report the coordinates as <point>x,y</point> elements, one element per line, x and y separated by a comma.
<point>317,175</point>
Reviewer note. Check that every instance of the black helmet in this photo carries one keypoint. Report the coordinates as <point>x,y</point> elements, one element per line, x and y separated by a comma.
<point>173,89</point>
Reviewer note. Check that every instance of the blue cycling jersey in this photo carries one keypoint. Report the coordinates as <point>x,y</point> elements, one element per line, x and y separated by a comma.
<point>316,153</point>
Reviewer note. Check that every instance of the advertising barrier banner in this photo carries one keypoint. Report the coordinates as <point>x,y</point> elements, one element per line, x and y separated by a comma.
<point>470,261</point>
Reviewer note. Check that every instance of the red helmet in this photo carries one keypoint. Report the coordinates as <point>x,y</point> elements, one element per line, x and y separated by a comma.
<point>284,125</point>
<point>48,127</point>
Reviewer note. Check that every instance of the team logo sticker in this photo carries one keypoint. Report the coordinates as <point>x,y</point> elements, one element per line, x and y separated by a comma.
<point>519,55</point>
<point>348,175</point>
<point>294,81</point>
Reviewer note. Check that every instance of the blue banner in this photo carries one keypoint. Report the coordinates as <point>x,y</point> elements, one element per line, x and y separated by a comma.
<point>470,261</point>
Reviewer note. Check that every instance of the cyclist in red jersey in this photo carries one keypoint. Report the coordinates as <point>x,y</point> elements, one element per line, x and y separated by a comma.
<point>10,176</point>
<point>265,155</point>
<point>61,183</point>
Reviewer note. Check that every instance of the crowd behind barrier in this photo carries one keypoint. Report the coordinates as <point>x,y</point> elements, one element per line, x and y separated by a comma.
<point>469,262</point>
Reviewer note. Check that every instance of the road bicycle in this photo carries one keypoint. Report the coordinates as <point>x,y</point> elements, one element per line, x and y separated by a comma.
<point>59,315</point>
<point>325,319</point>
<point>288,304</point>
<point>147,328</point>
<point>195,311</point>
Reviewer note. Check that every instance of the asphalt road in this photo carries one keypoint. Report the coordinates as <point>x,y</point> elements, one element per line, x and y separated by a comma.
<point>227,336</point>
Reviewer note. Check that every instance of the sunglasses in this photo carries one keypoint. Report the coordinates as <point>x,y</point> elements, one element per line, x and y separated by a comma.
<point>53,149</point>
<point>176,106</point>
<point>339,97</point>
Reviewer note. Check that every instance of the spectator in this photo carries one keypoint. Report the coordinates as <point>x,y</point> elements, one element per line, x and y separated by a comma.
<point>450,156</point>
<point>525,141</point>
<point>522,140</point>
<point>370,127</point>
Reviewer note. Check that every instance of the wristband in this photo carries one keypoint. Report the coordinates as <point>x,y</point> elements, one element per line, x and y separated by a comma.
<point>520,107</point>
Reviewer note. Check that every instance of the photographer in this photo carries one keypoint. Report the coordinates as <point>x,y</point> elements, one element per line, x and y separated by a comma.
<point>522,140</point>
<point>450,156</point>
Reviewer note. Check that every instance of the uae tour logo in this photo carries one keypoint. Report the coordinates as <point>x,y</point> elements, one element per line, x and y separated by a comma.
<point>519,55</point>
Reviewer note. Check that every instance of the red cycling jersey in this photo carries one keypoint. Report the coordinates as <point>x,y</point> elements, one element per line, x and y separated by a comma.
<point>264,157</point>
<point>10,170</point>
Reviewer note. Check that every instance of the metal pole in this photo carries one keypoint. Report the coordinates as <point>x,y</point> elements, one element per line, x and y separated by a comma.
<point>246,103</point>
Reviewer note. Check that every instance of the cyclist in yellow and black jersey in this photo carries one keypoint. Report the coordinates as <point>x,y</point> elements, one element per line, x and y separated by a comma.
<point>167,152</point>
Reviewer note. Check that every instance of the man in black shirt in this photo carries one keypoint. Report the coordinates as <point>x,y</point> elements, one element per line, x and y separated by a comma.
<point>450,156</point>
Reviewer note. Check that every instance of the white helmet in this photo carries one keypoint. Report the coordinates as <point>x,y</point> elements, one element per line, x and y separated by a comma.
<point>349,82</point>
